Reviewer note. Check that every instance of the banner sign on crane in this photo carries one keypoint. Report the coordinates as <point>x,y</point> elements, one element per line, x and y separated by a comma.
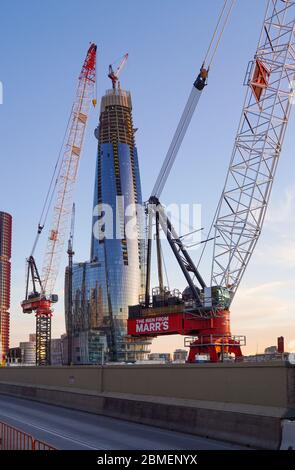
<point>162,324</point>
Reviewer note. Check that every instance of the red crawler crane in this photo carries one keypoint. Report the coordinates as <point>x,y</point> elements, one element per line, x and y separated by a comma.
<point>202,311</point>
<point>39,289</point>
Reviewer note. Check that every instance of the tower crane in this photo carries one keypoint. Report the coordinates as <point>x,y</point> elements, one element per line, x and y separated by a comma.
<point>203,310</point>
<point>39,288</point>
<point>114,75</point>
<point>69,300</point>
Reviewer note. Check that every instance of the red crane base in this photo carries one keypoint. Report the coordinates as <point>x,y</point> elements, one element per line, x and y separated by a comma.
<point>215,348</point>
<point>211,335</point>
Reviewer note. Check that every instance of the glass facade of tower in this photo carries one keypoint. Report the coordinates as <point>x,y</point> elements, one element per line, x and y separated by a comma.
<point>5,274</point>
<point>113,279</point>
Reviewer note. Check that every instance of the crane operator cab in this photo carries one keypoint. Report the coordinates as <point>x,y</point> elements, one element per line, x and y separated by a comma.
<point>217,297</point>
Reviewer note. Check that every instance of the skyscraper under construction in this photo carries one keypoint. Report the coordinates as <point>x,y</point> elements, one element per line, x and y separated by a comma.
<point>5,273</point>
<point>113,279</point>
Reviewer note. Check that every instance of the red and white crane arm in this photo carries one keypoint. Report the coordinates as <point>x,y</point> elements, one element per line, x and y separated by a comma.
<point>114,76</point>
<point>67,174</point>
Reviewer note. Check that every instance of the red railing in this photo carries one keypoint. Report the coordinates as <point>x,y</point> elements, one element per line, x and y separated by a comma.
<point>40,445</point>
<point>13,439</point>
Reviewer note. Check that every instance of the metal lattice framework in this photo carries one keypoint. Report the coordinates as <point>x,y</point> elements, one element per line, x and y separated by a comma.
<point>68,171</point>
<point>257,148</point>
<point>43,339</point>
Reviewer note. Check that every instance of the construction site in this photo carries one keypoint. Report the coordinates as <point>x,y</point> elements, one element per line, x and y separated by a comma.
<point>201,312</point>
<point>113,306</point>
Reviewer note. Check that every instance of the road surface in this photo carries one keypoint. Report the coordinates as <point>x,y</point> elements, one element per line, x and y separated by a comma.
<point>68,429</point>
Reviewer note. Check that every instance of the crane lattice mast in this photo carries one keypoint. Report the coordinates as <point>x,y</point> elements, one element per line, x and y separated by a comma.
<point>68,171</point>
<point>41,297</point>
<point>257,147</point>
<point>70,287</point>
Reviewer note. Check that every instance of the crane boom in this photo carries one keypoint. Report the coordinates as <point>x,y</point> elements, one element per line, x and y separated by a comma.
<point>180,132</point>
<point>121,65</point>
<point>114,76</point>
<point>41,298</point>
<point>68,171</point>
<point>257,147</point>
<point>69,299</point>
<point>193,100</point>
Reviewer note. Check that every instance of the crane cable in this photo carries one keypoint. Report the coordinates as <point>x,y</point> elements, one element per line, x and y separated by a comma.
<point>51,189</point>
<point>175,144</point>
<point>210,63</point>
<point>215,30</point>
<point>165,267</point>
<point>94,99</point>
<point>192,101</point>
<point>221,31</point>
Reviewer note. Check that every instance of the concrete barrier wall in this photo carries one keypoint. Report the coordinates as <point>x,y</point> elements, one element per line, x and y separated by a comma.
<point>85,378</point>
<point>242,403</point>
<point>256,385</point>
<point>259,384</point>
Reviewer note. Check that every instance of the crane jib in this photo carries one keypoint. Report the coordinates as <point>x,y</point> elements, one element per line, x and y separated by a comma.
<point>239,218</point>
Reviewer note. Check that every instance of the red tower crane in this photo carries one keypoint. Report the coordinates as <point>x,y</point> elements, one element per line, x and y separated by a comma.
<point>114,75</point>
<point>202,311</point>
<point>39,288</point>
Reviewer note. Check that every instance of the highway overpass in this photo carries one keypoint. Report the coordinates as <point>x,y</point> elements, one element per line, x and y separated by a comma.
<point>67,429</point>
<point>245,404</point>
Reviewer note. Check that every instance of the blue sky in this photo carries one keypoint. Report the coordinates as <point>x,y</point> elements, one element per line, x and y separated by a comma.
<point>43,44</point>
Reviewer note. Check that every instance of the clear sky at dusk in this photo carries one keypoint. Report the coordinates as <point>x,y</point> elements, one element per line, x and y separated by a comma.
<point>43,44</point>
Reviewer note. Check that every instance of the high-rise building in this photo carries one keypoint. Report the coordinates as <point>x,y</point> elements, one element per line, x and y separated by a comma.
<point>56,352</point>
<point>5,275</point>
<point>281,344</point>
<point>28,353</point>
<point>14,356</point>
<point>114,278</point>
